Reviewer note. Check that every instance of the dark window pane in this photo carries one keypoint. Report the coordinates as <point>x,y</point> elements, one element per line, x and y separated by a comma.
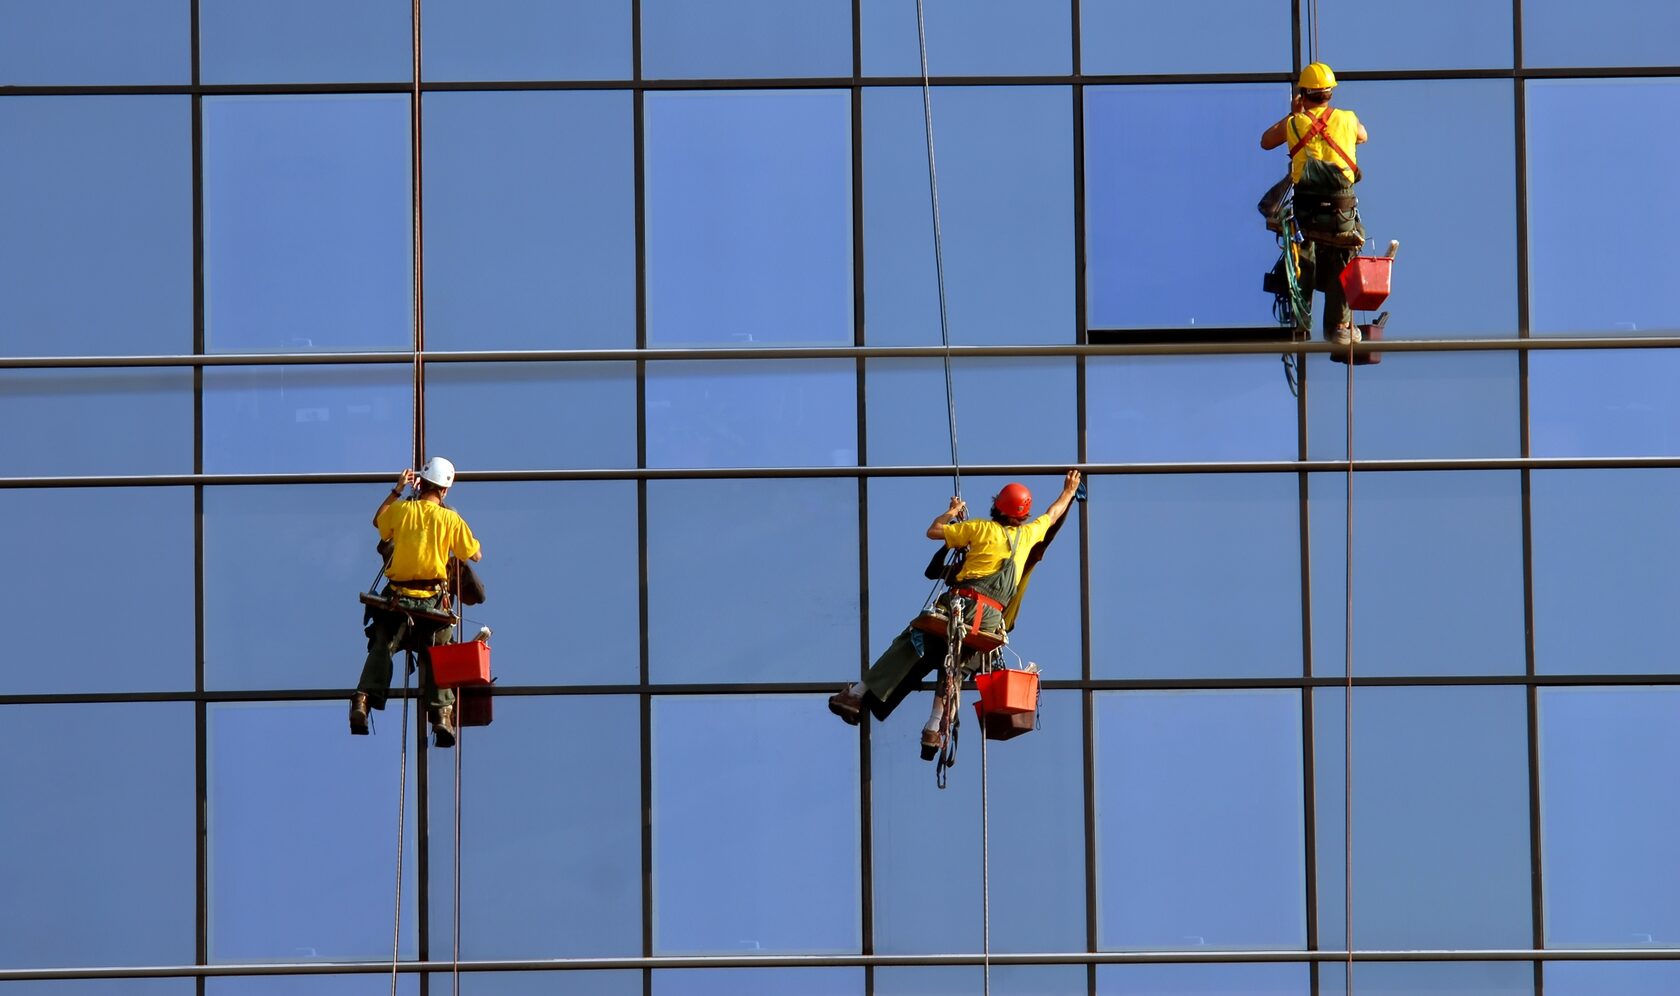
<point>517,416</point>
<point>728,38</point>
<point>1006,210</point>
<point>305,41</point>
<point>964,980</point>
<point>307,223</point>
<point>1605,544</point>
<point>750,853</point>
<point>1608,978</point>
<point>303,834</point>
<point>555,873</point>
<point>1437,584</point>
<point>1611,33</point>
<point>1572,291</point>
<point>1162,409</point>
<point>307,419</point>
<point>95,42</point>
<point>1611,870</point>
<point>1604,402</point>
<point>752,413</point>
<point>909,422</point>
<point>1416,406</point>
<point>96,422</point>
<point>1124,37</point>
<point>572,983</point>
<point>1219,862</point>
<point>749,218</point>
<point>1440,799</point>
<point>1204,980</point>
<point>97,245</point>
<point>530,233</point>
<point>1169,549</point>
<point>99,822</point>
<point>525,40</point>
<point>125,643</point>
<point>758,981</point>
<point>718,549</point>
<point>968,38</point>
<point>1414,35</point>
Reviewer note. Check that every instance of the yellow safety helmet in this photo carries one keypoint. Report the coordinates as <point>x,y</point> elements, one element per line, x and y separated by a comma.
<point>1317,76</point>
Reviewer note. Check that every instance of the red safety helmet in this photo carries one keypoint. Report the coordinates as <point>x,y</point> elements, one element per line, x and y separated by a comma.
<point>1014,501</point>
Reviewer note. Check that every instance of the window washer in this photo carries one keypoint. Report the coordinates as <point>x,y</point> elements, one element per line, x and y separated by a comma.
<point>423,532</point>
<point>1323,168</point>
<point>996,551</point>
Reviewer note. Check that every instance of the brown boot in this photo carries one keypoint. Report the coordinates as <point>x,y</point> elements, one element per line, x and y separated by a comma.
<point>443,727</point>
<point>847,703</point>
<point>358,714</point>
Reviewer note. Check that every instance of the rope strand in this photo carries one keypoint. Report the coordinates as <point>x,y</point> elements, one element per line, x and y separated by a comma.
<point>938,247</point>
<point>1347,694</point>
<point>402,812</point>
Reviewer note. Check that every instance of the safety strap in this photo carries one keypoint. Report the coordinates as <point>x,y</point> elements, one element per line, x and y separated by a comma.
<point>1320,128</point>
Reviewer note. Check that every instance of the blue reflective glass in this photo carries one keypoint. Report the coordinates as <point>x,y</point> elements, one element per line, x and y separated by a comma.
<point>307,223</point>
<point>1456,978</point>
<point>927,846</point>
<point>1609,33</point>
<point>1604,585</point>
<point>1005,980</point>
<point>1419,34</point>
<point>295,985</point>
<point>305,41</point>
<point>525,40</point>
<point>516,416</point>
<point>307,419</point>
<point>1219,862</point>
<point>96,422</point>
<point>749,217</point>
<point>69,529</point>
<point>908,421</point>
<point>303,834</point>
<point>1603,402</point>
<point>1171,235</point>
<point>758,981</point>
<point>97,245</point>
<point>968,38</point>
<point>1416,405</point>
<point>580,983</point>
<point>105,987</point>
<point>1162,409</point>
<point>752,413</point>
<point>535,535</point>
<point>1005,159</point>
<point>1572,291</point>
<point>1168,549</point>
<point>555,873</point>
<point>1609,978</point>
<point>1437,582</point>
<point>1610,868</point>
<point>530,231</point>
<point>1204,980</point>
<point>716,549</point>
<point>95,42</point>
<point>1440,818</point>
<point>750,853</point>
<point>728,38</point>
<point>1124,37</point>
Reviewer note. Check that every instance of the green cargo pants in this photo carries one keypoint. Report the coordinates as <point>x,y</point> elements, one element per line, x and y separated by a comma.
<point>387,633</point>
<point>1321,270</point>
<point>914,655</point>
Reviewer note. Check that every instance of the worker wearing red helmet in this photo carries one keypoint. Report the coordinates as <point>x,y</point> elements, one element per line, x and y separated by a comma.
<point>996,554</point>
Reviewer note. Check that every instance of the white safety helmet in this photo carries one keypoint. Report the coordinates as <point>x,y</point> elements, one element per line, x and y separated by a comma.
<point>438,471</point>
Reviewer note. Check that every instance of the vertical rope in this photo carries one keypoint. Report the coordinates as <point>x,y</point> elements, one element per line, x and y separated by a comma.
<point>419,254</point>
<point>455,928</point>
<point>1312,31</point>
<point>402,812</point>
<point>985,872</point>
<point>938,247</point>
<point>1347,694</point>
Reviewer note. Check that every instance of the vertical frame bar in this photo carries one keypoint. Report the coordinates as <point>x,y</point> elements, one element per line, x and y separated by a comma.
<point>201,719</point>
<point>644,695</point>
<point>866,773</point>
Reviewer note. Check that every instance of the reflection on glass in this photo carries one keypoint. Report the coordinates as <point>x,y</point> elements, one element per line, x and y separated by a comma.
<point>1608,33</point>
<point>572,983</point>
<point>968,38</point>
<point>408,984</point>
<point>1410,36</point>
<point>1161,409</point>
<point>1624,978</point>
<point>752,413</point>
<point>1456,978</point>
<point>909,424</point>
<point>963,980</point>
<point>305,41</point>
<point>94,43</point>
<point>1417,406</point>
<point>757,981</point>
<point>105,987</point>
<point>751,854</point>
<point>307,419</point>
<point>525,40</point>
<point>96,422</point>
<point>1204,980</point>
<point>1125,38</point>
<point>725,38</point>
<point>1602,402</point>
<point>512,416</point>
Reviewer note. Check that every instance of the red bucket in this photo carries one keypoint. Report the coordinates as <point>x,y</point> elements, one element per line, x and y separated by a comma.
<point>457,664</point>
<point>1005,725</point>
<point>1366,281</point>
<point>477,705</point>
<point>1007,691</point>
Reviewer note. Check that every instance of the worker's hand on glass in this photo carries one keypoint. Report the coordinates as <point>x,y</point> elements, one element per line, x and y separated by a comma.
<point>407,479</point>
<point>1070,483</point>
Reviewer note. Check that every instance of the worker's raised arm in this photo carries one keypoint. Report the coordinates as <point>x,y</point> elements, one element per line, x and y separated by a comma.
<point>396,492</point>
<point>937,530</point>
<point>1278,133</point>
<point>1362,136</point>
<point>1070,487</point>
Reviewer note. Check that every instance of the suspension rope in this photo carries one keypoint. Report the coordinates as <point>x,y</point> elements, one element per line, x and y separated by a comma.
<point>455,928</point>
<point>1312,30</point>
<point>402,812</point>
<point>1347,690</point>
<point>938,247</point>
<point>985,874</point>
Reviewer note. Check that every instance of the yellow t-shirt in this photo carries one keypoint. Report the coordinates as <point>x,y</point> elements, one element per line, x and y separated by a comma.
<point>424,534</point>
<point>988,544</point>
<point>1343,130</point>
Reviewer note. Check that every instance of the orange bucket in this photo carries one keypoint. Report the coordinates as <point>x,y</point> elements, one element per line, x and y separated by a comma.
<point>1007,691</point>
<point>1005,725</point>
<point>457,664</point>
<point>1366,281</point>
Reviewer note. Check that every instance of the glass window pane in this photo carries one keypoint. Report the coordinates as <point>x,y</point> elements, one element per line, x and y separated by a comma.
<point>752,413</point>
<point>965,980</point>
<point>750,853</point>
<point>1455,978</point>
<point>968,38</point>
<point>1416,406</point>
<point>525,40</point>
<point>518,416</point>
<point>105,987</point>
<point>1440,799</point>
<point>749,218</point>
<point>95,43</point>
<point>738,540</point>
<point>1605,544</point>
<point>1161,409</point>
<point>1604,402</point>
<point>1610,978</point>
<point>305,41</point>
<point>97,245</point>
<point>1220,862</point>
<point>729,38</point>
<point>1576,292</point>
<point>69,529</point>
<point>1167,548</point>
<point>307,419</point>
<point>1437,584</point>
<point>1204,980</point>
<point>100,821</point>
<point>1415,35</point>
<point>1005,159</point>
<point>758,981</point>
<point>555,873</point>
<point>572,983</point>
<point>326,985</point>
<point>909,423</point>
<point>530,220</point>
<point>303,825</point>
<point>1610,868</point>
<point>308,231</point>
<point>96,422</point>
<point>1123,37</point>
<point>1611,33</point>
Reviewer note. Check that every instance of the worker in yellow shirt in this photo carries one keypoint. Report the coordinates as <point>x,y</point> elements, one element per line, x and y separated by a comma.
<point>1323,167</point>
<point>996,554</point>
<point>423,533</point>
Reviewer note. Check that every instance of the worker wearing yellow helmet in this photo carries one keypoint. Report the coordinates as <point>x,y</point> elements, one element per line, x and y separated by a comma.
<point>1323,167</point>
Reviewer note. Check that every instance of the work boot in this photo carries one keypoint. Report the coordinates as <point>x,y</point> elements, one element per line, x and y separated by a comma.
<point>358,714</point>
<point>930,731</point>
<point>443,727</point>
<point>847,703</point>
<point>1343,335</point>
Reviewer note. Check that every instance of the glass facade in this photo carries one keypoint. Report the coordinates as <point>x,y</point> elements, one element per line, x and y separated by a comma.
<point>660,277</point>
